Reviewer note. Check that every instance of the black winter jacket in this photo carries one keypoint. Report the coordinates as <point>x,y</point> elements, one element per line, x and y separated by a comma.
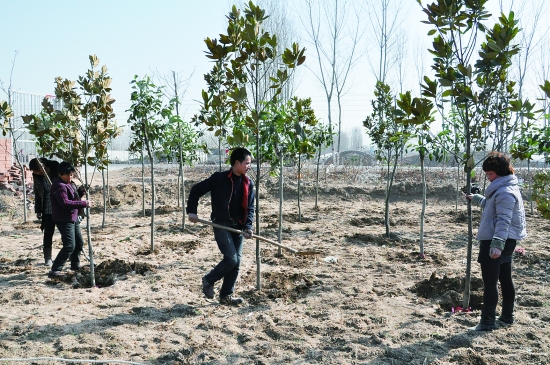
<point>220,186</point>
<point>42,194</point>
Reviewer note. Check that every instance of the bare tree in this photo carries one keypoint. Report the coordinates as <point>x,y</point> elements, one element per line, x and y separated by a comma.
<point>385,19</point>
<point>175,87</point>
<point>531,38</point>
<point>335,36</point>
<point>401,58</point>
<point>544,74</point>
<point>420,63</point>
<point>15,131</point>
<point>280,23</point>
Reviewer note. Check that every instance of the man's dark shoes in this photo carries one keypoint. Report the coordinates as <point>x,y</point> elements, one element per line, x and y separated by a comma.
<point>207,288</point>
<point>56,274</point>
<point>231,300</point>
<point>483,327</point>
<point>76,268</point>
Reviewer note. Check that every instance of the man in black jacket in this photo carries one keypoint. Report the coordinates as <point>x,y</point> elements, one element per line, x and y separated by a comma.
<point>232,199</point>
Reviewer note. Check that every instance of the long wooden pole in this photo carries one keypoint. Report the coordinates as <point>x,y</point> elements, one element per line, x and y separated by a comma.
<point>43,170</point>
<point>259,237</point>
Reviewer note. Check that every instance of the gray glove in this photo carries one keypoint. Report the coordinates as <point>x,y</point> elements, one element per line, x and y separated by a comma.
<point>476,199</point>
<point>247,233</point>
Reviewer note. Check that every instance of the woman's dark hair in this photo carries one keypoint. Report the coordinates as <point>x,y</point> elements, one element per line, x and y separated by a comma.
<point>51,164</point>
<point>33,164</point>
<point>239,154</point>
<point>65,168</point>
<point>499,163</point>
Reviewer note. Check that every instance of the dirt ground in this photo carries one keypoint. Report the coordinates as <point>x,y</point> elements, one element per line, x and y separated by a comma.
<point>364,299</point>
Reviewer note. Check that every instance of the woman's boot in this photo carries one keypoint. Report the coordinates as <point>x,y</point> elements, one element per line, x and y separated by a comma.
<point>507,314</point>
<point>487,322</point>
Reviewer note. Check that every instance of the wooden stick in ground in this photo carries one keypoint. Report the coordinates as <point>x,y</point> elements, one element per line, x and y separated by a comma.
<point>260,238</point>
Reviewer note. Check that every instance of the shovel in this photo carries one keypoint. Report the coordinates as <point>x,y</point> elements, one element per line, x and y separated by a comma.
<point>301,253</point>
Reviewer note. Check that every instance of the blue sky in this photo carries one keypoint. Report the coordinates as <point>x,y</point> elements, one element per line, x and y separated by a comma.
<point>55,37</point>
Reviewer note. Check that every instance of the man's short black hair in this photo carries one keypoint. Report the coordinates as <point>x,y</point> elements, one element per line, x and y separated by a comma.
<point>65,168</point>
<point>239,154</point>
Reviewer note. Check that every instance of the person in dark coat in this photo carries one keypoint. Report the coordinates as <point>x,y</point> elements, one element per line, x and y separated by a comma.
<point>66,202</point>
<point>232,200</point>
<point>42,203</point>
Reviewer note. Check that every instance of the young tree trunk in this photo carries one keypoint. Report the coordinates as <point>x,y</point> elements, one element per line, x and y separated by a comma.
<point>423,212</point>
<point>281,197</point>
<point>457,187</point>
<point>387,200</point>
<point>178,187</point>
<point>258,257</point>
<point>317,180</point>
<point>182,194</point>
<point>299,180</point>
<point>88,227</point>
<point>142,183</point>
<point>530,184</point>
<point>220,154</point>
<point>466,300</point>
<point>152,162</point>
<point>388,193</point>
<point>24,182</point>
<point>107,186</point>
<point>104,198</point>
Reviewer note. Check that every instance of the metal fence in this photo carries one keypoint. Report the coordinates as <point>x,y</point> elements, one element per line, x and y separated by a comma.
<point>24,104</point>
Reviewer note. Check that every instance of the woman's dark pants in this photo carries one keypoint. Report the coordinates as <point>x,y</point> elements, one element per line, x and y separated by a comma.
<point>494,271</point>
<point>48,226</point>
<point>72,245</point>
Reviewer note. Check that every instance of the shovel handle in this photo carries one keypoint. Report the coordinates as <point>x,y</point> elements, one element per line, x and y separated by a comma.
<point>43,170</point>
<point>253,235</point>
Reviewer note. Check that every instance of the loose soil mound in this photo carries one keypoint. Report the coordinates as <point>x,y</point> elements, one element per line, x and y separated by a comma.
<point>107,273</point>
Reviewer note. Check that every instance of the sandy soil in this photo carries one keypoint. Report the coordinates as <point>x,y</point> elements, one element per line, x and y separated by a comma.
<point>364,299</point>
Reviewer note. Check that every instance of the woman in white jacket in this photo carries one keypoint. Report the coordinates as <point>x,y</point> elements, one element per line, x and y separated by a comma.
<point>502,225</point>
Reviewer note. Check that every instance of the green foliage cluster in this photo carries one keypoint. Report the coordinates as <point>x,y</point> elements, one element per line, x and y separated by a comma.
<point>149,116</point>
<point>247,77</point>
<point>155,127</point>
<point>288,131</point>
<point>5,114</point>
<point>388,135</point>
<point>541,193</point>
<point>80,126</point>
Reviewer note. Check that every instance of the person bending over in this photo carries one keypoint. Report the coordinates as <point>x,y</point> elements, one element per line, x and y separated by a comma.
<point>42,203</point>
